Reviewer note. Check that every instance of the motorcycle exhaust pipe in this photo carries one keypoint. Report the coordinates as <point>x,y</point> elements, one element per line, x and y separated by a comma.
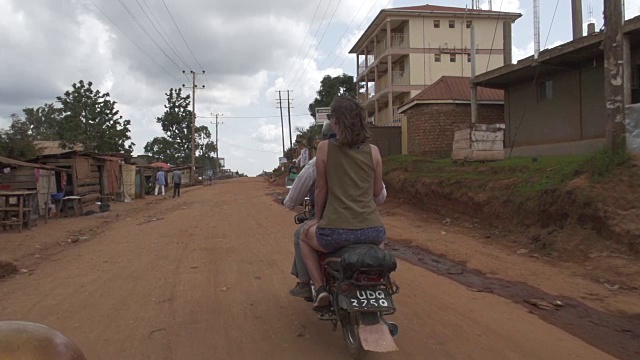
<point>394,330</point>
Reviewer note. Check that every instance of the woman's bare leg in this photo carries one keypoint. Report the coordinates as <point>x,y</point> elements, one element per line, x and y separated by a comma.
<point>309,248</point>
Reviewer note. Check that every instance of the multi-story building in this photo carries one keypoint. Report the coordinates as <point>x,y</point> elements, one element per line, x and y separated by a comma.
<point>408,48</point>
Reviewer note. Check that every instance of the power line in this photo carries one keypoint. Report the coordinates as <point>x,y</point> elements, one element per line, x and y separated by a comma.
<point>126,8</point>
<point>343,35</point>
<point>311,45</point>
<point>244,148</point>
<point>551,25</point>
<point>171,46</point>
<point>133,42</point>
<point>360,27</point>
<point>180,32</point>
<point>495,30</point>
<point>253,117</point>
<point>303,41</point>
<point>319,42</point>
<point>191,52</point>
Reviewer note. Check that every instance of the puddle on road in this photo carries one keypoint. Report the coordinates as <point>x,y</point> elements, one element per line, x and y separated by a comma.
<point>616,335</point>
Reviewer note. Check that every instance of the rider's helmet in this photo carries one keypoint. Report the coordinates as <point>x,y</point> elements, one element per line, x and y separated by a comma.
<point>20,340</point>
<point>327,131</point>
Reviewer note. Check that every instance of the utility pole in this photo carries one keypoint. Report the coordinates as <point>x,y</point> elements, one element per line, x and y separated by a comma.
<point>193,122</point>
<point>474,88</point>
<point>217,146</point>
<point>289,115</point>
<point>613,74</point>
<point>281,119</point>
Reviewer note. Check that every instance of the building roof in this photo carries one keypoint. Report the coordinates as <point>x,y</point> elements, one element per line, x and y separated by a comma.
<point>442,9</point>
<point>453,89</point>
<point>53,147</point>
<point>427,9</point>
<point>12,162</point>
<point>555,60</point>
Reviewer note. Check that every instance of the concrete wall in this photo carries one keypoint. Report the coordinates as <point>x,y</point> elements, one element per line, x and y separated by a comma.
<point>430,127</point>
<point>576,112</point>
<point>424,69</point>
<point>460,36</point>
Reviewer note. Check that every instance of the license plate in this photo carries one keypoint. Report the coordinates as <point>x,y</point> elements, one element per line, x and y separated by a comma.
<point>368,299</point>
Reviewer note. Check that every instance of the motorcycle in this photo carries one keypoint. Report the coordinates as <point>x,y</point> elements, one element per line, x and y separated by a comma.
<point>358,279</point>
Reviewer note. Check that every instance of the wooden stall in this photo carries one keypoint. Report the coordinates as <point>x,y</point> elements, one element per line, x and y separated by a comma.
<point>93,177</point>
<point>25,191</point>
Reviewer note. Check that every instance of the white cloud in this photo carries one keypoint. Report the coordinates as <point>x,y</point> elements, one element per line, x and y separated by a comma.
<point>504,5</point>
<point>521,53</point>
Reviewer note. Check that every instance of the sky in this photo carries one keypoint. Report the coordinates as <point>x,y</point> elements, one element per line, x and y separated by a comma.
<point>248,49</point>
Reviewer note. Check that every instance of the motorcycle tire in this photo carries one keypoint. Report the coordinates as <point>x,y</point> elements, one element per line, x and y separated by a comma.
<point>350,323</point>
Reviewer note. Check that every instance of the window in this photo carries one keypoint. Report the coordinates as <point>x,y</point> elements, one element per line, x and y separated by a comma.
<point>468,57</point>
<point>452,24</point>
<point>545,90</point>
<point>469,22</point>
<point>452,58</point>
<point>436,57</point>
<point>436,24</point>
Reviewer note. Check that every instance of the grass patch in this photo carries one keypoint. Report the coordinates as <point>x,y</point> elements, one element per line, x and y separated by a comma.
<point>526,176</point>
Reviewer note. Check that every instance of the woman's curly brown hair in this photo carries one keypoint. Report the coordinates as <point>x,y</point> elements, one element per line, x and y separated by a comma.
<point>351,118</point>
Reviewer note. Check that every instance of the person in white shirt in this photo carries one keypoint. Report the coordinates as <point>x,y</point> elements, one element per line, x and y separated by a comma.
<point>305,186</point>
<point>303,159</point>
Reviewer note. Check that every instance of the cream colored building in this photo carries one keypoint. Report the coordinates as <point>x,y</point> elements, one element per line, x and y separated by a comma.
<point>408,48</point>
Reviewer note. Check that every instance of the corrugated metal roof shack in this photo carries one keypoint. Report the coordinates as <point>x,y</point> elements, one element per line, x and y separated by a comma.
<point>20,175</point>
<point>94,177</point>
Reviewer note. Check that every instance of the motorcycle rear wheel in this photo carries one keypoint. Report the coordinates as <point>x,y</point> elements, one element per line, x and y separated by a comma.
<point>350,323</point>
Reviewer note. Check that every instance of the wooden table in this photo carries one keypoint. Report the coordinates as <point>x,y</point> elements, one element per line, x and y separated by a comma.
<point>25,201</point>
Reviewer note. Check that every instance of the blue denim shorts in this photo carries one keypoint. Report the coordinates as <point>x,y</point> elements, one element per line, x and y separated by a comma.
<point>331,239</point>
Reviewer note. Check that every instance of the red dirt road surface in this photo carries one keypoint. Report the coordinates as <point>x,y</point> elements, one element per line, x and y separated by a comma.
<point>206,276</point>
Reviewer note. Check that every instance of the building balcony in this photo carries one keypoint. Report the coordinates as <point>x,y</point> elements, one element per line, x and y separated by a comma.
<point>398,41</point>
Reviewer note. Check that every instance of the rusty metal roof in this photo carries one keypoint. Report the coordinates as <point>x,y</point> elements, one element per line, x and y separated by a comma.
<point>457,89</point>
<point>13,162</point>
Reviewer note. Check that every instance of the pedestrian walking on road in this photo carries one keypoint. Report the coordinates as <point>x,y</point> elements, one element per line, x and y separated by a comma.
<point>177,180</point>
<point>160,182</point>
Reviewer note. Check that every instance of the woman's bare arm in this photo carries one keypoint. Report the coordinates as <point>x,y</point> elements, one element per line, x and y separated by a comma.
<point>378,186</point>
<point>321,178</point>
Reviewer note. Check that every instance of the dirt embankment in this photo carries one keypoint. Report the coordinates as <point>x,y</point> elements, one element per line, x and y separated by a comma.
<point>543,197</point>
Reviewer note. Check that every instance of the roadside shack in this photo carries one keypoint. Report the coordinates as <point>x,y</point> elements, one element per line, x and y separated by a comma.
<point>25,191</point>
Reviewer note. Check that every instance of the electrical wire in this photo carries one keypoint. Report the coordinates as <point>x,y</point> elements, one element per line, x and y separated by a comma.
<point>494,36</point>
<point>303,41</point>
<point>343,35</point>
<point>134,43</point>
<point>244,148</point>
<point>315,36</point>
<point>126,8</point>
<point>319,42</point>
<point>164,37</point>
<point>361,30</point>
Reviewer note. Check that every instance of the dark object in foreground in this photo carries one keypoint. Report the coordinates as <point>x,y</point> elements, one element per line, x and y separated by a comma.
<point>21,340</point>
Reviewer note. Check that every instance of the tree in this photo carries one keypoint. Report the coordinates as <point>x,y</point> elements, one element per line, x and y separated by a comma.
<point>175,147</point>
<point>90,118</point>
<point>17,141</point>
<point>330,87</point>
<point>43,121</point>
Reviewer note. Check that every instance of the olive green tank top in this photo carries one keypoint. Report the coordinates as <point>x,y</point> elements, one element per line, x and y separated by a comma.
<point>350,174</point>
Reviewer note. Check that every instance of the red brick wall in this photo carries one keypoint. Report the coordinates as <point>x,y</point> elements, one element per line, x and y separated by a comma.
<point>430,127</point>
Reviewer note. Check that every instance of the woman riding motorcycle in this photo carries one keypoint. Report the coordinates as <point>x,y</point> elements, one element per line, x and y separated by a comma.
<point>348,178</point>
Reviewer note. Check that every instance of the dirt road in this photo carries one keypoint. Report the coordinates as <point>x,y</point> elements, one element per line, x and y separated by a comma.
<point>206,277</point>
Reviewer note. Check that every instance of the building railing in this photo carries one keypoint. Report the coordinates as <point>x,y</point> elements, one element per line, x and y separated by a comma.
<point>400,77</point>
